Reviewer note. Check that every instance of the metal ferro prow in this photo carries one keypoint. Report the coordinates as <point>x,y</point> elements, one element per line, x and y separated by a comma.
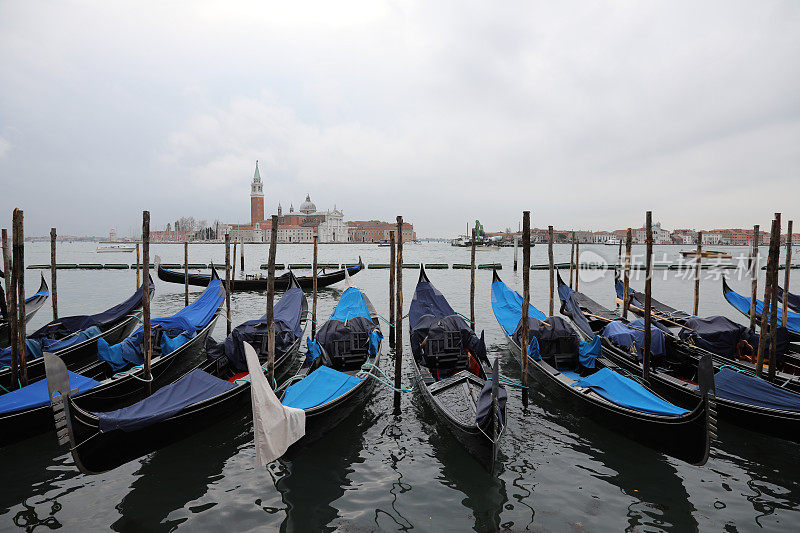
<point>58,387</point>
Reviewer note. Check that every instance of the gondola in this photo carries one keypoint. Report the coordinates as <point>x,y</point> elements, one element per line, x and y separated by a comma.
<point>728,342</point>
<point>260,283</point>
<point>74,338</point>
<point>336,377</point>
<point>116,378</point>
<point>453,374</point>
<point>217,388</point>
<point>742,304</point>
<point>792,300</point>
<point>740,398</point>
<point>569,362</point>
<point>658,309</point>
<point>32,305</point>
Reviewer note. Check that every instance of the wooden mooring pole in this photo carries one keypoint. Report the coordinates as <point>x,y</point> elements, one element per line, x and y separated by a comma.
<point>472,283</point>
<point>233,267</point>
<point>273,245</point>
<point>786,275</point>
<point>773,316</point>
<point>146,348</point>
<point>392,295</point>
<point>648,297</point>
<point>577,264</point>
<point>398,341</point>
<point>185,273</point>
<point>241,257</point>
<point>698,261</point>
<point>763,334</point>
<point>53,278</point>
<point>138,263</point>
<point>516,248</point>
<point>552,268</point>
<point>314,290</point>
<point>571,259</point>
<point>19,275</point>
<point>227,283</point>
<point>526,300</point>
<point>754,268</point>
<point>626,274</point>
<point>11,302</point>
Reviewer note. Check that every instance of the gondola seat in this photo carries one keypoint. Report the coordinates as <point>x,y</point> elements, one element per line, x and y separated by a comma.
<point>557,341</point>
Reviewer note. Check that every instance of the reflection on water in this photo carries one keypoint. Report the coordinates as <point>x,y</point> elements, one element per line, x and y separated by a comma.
<point>171,478</point>
<point>559,471</point>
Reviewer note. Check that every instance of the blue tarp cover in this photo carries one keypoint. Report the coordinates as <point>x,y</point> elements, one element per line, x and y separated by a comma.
<point>192,388</point>
<point>35,347</point>
<point>507,307</point>
<point>320,386</point>
<point>350,305</point>
<point>190,319</point>
<point>36,394</point>
<point>742,303</point>
<point>628,393</point>
<point>589,351</point>
<point>626,336</point>
<point>750,390</point>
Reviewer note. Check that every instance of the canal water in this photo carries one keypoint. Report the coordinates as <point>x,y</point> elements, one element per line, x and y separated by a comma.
<point>559,471</point>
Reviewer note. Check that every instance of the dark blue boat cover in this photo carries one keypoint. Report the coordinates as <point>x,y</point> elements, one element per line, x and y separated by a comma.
<point>190,319</point>
<point>571,308</point>
<point>792,299</point>
<point>743,388</point>
<point>742,303</point>
<point>35,347</point>
<point>192,388</point>
<point>64,326</point>
<point>431,318</point>
<point>718,335</point>
<point>628,393</point>
<point>626,336</point>
<point>322,385</point>
<point>507,307</point>
<point>485,403</point>
<point>287,315</point>
<point>36,394</point>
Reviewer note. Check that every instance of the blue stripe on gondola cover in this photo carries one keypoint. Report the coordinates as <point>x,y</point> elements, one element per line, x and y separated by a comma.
<point>628,393</point>
<point>37,395</point>
<point>319,387</point>
<point>507,307</point>
<point>742,303</point>
<point>190,319</point>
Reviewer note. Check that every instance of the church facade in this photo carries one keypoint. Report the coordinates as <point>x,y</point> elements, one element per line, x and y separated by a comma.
<point>295,226</point>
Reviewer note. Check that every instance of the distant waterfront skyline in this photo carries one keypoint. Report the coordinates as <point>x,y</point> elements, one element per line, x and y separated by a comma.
<point>588,114</point>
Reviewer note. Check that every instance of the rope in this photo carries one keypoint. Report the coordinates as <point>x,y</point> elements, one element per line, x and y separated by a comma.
<point>132,373</point>
<point>137,318</point>
<point>5,389</point>
<point>465,317</point>
<point>508,381</point>
<point>632,375</point>
<point>736,368</point>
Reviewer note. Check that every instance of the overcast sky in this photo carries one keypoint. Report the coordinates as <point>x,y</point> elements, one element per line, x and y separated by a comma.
<point>585,113</point>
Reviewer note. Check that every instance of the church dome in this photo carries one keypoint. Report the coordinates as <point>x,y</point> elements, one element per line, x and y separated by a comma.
<point>308,206</point>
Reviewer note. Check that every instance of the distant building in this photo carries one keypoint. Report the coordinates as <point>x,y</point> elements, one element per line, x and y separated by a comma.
<point>377,231</point>
<point>300,226</point>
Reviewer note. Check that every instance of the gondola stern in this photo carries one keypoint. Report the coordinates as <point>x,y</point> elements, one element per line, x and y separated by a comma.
<point>423,277</point>
<point>495,276</point>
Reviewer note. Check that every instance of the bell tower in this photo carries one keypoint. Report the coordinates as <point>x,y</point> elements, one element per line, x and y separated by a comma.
<point>256,198</point>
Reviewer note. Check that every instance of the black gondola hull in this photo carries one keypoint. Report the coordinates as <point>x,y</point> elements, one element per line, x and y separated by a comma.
<point>686,438</point>
<point>31,308</point>
<point>111,395</point>
<point>78,356</point>
<point>260,284</point>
